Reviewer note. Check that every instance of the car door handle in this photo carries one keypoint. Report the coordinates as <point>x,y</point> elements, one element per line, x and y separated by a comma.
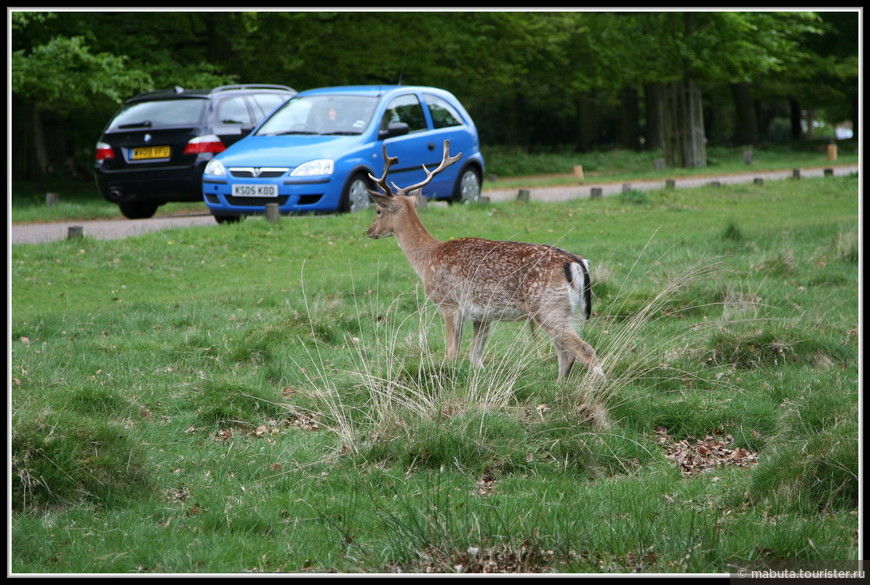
<point>431,146</point>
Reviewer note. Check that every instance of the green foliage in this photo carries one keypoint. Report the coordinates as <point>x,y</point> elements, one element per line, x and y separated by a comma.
<point>64,75</point>
<point>577,69</point>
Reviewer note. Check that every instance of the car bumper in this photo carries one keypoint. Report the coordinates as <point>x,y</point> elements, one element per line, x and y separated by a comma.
<point>314,195</point>
<point>173,184</point>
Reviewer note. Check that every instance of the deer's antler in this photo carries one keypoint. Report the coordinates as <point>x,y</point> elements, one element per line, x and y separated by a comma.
<point>446,161</point>
<point>382,182</point>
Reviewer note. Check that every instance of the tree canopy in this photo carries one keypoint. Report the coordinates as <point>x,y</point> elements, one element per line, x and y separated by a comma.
<point>529,78</point>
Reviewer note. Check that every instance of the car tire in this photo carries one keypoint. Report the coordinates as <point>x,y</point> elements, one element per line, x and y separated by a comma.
<point>138,209</point>
<point>222,219</point>
<point>467,189</point>
<point>355,195</point>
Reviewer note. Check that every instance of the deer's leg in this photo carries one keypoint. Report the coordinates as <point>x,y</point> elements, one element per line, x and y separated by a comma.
<point>569,346</point>
<point>453,328</point>
<point>566,360</point>
<point>478,342</point>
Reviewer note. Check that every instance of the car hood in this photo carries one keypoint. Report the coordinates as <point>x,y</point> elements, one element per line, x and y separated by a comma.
<point>287,151</point>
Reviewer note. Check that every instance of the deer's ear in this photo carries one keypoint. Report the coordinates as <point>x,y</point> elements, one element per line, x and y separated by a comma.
<point>415,196</point>
<point>384,201</point>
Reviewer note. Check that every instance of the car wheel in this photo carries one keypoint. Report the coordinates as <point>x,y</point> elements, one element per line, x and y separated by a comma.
<point>222,219</point>
<point>467,186</point>
<point>355,196</point>
<point>139,209</point>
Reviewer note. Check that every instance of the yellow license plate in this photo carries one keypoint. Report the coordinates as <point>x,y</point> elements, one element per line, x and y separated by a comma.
<point>147,152</point>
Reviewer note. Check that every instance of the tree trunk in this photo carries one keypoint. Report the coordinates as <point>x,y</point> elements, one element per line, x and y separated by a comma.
<point>653,135</point>
<point>683,137</point>
<point>746,121</point>
<point>39,146</point>
<point>519,128</point>
<point>587,127</point>
<point>629,123</point>
<point>797,131</point>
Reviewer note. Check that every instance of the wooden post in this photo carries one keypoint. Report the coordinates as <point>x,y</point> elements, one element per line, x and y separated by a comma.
<point>747,157</point>
<point>660,164</point>
<point>272,214</point>
<point>829,172</point>
<point>51,199</point>
<point>671,184</point>
<point>796,174</point>
<point>596,192</point>
<point>523,196</point>
<point>758,181</point>
<point>832,151</point>
<point>74,232</point>
<point>578,172</point>
<point>626,187</point>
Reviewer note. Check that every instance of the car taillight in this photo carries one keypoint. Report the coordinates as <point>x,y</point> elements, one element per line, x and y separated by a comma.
<point>208,143</point>
<point>104,152</point>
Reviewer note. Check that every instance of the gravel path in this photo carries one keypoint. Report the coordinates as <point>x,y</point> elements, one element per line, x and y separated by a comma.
<point>122,228</point>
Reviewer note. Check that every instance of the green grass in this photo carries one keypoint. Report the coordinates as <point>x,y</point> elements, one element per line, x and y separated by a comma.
<point>265,397</point>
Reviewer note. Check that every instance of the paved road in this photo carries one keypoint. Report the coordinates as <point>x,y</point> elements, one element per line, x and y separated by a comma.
<point>122,228</point>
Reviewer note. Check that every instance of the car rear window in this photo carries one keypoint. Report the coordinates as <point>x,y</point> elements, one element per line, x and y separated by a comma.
<point>266,103</point>
<point>443,114</point>
<point>160,113</point>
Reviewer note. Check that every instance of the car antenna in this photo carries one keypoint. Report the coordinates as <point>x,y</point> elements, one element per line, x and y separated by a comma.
<point>402,70</point>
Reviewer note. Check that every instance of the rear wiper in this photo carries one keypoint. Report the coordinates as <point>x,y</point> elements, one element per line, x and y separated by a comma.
<point>142,124</point>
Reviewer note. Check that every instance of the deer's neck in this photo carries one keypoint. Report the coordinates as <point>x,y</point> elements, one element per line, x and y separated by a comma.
<point>417,243</point>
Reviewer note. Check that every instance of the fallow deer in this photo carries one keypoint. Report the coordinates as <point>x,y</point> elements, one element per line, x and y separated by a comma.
<point>482,281</point>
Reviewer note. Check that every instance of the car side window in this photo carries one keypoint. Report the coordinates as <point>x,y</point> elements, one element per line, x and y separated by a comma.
<point>265,104</point>
<point>407,109</point>
<point>234,111</point>
<point>443,114</point>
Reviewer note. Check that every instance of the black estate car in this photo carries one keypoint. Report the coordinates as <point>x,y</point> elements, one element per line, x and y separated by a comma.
<point>155,148</point>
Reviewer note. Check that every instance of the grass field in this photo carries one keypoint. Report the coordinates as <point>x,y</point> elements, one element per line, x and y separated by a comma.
<point>275,398</point>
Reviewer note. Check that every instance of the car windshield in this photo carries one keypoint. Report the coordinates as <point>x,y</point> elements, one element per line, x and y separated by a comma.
<point>323,114</point>
<point>159,113</point>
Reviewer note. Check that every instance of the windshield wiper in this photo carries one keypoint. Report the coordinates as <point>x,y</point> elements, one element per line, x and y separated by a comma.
<point>142,124</point>
<point>293,132</point>
<point>340,133</point>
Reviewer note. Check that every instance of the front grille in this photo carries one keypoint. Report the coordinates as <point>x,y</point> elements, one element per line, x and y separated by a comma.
<point>249,201</point>
<point>257,172</point>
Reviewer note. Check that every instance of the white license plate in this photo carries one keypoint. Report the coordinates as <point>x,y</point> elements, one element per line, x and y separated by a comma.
<point>255,190</point>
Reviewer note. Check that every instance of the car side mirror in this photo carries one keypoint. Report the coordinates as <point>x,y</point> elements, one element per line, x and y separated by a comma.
<point>246,129</point>
<point>394,129</point>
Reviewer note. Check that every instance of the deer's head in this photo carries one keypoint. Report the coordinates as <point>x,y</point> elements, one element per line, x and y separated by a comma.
<point>397,206</point>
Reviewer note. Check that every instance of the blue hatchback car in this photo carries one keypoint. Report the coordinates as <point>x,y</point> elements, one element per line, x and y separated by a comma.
<point>315,153</point>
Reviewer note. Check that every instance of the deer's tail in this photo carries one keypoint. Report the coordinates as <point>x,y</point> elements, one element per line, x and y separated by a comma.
<point>577,273</point>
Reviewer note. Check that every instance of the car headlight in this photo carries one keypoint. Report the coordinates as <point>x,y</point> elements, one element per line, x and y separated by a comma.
<point>321,166</point>
<point>215,168</point>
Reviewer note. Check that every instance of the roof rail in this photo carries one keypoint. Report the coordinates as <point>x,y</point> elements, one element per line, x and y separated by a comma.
<point>155,91</point>
<point>251,86</point>
<point>178,89</point>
